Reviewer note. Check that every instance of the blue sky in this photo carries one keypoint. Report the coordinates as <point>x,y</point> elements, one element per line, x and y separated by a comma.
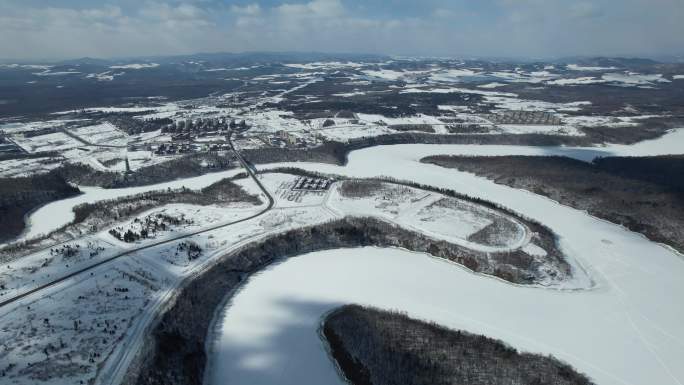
<point>510,28</point>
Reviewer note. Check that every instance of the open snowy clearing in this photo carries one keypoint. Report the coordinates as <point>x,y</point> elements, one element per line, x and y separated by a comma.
<point>432,214</point>
<point>105,133</point>
<point>57,141</point>
<point>282,187</point>
<point>14,168</point>
<point>45,265</point>
<point>520,129</point>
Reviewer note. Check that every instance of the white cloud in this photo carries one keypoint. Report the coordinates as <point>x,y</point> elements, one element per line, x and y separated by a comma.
<point>504,28</point>
<point>253,9</point>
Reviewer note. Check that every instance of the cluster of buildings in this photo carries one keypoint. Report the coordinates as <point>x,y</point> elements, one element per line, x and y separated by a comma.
<point>176,148</point>
<point>205,125</point>
<point>311,184</point>
<point>284,138</point>
<point>525,118</point>
<point>189,129</point>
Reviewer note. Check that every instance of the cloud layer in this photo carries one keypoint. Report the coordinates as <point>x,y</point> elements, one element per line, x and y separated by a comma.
<point>517,28</point>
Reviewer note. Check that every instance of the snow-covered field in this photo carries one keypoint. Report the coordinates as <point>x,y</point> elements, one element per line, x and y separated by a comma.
<point>14,168</point>
<point>57,141</point>
<point>539,129</point>
<point>59,213</point>
<point>281,187</point>
<point>191,218</point>
<point>21,127</point>
<point>420,119</point>
<point>623,330</point>
<point>43,266</point>
<point>77,328</point>
<point>432,214</point>
<point>104,133</point>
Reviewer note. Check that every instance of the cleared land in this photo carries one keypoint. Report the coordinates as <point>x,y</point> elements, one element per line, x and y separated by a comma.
<point>375,347</point>
<point>179,168</point>
<point>645,195</point>
<point>93,217</point>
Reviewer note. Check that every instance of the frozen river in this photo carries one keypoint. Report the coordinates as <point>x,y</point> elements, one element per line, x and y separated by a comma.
<point>627,329</point>
<point>57,214</point>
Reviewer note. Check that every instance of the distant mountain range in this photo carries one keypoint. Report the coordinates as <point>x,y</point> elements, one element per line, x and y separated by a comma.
<point>271,57</point>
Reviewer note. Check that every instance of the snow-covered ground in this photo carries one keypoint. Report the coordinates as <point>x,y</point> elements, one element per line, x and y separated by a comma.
<point>519,129</point>
<point>77,327</point>
<point>629,309</point>
<point>13,168</point>
<point>625,330</point>
<point>168,108</point>
<point>633,78</point>
<point>419,119</point>
<point>114,304</point>
<point>432,214</point>
<point>576,67</point>
<point>191,219</point>
<point>343,133</point>
<point>21,127</point>
<point>59,213</point>
<point>57,141</point>
<point>105,133</point>
<point>135,66</point>
<point>281,187</point>
<point>56,214</point>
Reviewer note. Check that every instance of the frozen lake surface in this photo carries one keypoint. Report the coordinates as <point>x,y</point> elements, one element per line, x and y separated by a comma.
<point>269,333</point>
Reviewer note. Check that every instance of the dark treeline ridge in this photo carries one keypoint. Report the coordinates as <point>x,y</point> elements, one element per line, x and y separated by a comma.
<point>666,171</point>
<point>646,195</point>
<point>375,347</point>
<point>336,152</point>
<point>184,167</point>
<point>45,154</point>
<point>92,217</point>
<point>329,152</point>
<point>175,350</point>
<point>300,172</point>
<point>390,103</point>
<point>648,129</point>
<point>19,196</point>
